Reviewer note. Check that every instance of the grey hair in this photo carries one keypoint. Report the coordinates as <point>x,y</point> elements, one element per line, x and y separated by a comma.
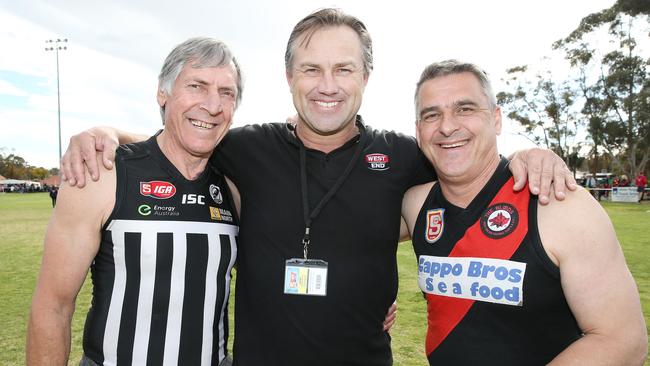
<point>452,67</point>
<point>329,17</point>
<point>201,52</point>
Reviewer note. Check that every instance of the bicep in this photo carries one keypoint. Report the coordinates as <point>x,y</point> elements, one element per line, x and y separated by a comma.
<point>72,238</point>
<point>595,279</point>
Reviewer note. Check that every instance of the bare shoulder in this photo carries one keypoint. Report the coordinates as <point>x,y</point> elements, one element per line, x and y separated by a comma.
<point>412,202</point>
<point>577,224</point>
<point>93,202</point>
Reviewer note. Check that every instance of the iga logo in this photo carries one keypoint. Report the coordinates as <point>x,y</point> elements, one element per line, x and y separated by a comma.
<point>378,161</point>
<point>157,189</point>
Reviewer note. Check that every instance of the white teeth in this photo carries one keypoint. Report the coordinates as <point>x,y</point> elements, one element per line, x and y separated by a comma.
<point>327,104</point>
<point>201,124</point>
<point>457,144</point>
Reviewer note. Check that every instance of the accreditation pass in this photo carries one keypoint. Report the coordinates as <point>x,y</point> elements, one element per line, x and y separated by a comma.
<point>305,277</point>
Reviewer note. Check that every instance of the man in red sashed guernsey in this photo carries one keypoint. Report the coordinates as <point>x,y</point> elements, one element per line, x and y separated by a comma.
<point>641,181</point>
<point>508,281</point>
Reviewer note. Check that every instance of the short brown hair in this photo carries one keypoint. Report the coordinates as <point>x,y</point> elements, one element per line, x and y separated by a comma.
<point>329,17</point>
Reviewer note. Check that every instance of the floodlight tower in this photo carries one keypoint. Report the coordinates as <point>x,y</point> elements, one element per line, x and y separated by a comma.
<point>57,45</point>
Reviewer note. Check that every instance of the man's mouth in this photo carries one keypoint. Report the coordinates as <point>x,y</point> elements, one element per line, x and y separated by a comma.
<point>201,124</point>
<point>453,144</point>
<point>326,104</point>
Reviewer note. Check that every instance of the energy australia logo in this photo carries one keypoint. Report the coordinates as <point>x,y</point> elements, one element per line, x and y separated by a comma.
<point>144,210</point>
<point>157,210</point>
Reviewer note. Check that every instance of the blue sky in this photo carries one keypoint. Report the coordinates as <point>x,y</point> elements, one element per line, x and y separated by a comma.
<point>115,49</point>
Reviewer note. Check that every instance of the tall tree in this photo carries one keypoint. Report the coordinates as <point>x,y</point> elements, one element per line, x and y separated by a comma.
<point>614,82</point>
<point>543,107</point>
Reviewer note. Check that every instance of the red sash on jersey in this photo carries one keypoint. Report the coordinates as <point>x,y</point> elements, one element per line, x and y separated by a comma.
<point>445,313</point>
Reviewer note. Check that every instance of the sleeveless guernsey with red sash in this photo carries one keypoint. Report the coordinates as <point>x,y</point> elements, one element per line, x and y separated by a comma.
<point>493,295</point>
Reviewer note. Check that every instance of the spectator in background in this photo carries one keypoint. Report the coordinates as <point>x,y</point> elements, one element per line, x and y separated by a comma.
<point>591,184</point>
<point>641,181</point>
<point>608,187</point>
<point>54,191</point>
<point>625,182</point>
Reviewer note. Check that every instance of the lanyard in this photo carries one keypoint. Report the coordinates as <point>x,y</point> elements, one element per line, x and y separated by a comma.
<point>303,187</point>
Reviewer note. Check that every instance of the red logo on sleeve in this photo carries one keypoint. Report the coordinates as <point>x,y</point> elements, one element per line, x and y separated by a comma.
<point>157,189</point>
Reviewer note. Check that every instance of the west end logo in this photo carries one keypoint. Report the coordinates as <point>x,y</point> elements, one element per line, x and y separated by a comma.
<point>435,225</point>
<point>499,220</point>
<point>378,161</point>
<point>157,189</point>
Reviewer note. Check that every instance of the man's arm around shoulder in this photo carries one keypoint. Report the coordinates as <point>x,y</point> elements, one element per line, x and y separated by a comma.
<point>71,243</point>
<point>599,288</point>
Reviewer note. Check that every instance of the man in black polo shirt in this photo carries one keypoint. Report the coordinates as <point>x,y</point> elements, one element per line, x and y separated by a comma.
<point>320,209</point>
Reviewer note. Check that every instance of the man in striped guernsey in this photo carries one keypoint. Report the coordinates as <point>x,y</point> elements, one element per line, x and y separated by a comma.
<point>158,233</point>
<point>507,280</point>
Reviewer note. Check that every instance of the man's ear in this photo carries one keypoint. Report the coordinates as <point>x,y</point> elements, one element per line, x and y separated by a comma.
<point>289,76</point>
<point>161,96</point>
<point>497,120</point>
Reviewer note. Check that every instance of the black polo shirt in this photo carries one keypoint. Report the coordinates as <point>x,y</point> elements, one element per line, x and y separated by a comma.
<point>356,233</point>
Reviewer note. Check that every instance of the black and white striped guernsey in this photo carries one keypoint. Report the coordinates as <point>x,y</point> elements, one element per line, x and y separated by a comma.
<point>162,273</point>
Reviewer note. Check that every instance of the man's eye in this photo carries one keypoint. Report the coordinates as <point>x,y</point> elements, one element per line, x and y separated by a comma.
<point>465,111</point>
<point>431,117</point>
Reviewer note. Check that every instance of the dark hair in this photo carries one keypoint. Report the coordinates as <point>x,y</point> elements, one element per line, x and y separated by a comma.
<point>329,17</point>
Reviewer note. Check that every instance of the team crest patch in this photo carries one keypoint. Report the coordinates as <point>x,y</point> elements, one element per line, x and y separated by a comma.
<point>499,220</point>
<point>157,189</point>
<point>435,225</point>
<point>378,161</point>
<point>215,193</point>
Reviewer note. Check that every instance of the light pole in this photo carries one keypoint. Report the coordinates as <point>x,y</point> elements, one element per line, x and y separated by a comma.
<point>56,45</point>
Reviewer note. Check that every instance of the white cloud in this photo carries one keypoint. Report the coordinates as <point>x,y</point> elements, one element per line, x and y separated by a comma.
<point>7,88</point>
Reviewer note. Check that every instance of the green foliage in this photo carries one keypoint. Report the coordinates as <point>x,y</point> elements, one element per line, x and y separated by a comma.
<point>25,217</point>
<point>614,83</point>
<point>543,107</point>
<point>15,167</point>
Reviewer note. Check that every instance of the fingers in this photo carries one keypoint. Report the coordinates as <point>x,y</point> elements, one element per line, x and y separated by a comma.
<point>81,151</point>
<point>544,170</point>
<point>107,146</point>
<point>391,316</point>
<point>518,170</point>
<point>69,160</point>
<point>562,179</point>
<point>90,160</point>
<point>108,157</point>
<point>546,179</point>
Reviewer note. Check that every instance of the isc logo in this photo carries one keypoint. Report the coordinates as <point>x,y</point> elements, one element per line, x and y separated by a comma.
<point>193,199</point>
<point>157,189</point>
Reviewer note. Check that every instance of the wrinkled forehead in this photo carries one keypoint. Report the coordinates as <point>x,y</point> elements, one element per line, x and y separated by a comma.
<point>447,91</point>
<point>209,72</point>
